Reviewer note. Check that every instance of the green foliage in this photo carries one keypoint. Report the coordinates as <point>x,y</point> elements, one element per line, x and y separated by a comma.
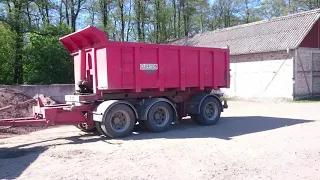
<point>46,60</point>
<point>6,54</point>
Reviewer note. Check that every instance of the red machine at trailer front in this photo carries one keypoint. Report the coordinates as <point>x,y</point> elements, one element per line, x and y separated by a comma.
<point>121,84</point>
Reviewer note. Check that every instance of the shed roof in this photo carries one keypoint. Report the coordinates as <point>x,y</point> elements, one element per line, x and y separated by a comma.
<point>262,36</point>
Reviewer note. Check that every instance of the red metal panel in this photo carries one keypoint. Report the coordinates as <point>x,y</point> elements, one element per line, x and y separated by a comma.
<point>227,69</point>
<point>102,68</point>
<point>219,69</point>
<point>161,69</point>
<point>312,39</point>
<point>77,67</point>
<point>171,72</point>
<point>207,61</point>
<point>149,56</point>
<point>87,37</point>
<point>192,68</point>
<point>127,63</point>
<point>182,60</point>
<point>201,70</point>
<point>178,67</point>
<point>135,67</point>
<point>114,67</point>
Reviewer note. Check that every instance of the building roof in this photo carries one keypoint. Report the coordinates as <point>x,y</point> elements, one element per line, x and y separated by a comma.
<point>263,36</point>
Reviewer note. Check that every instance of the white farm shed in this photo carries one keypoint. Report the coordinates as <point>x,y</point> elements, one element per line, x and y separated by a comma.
<point>272,58</point>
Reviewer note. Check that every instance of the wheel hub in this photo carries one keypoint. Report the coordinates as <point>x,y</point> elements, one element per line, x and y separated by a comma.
<point>210,111</point>
<point>160,116</point>
<point>119,121</point>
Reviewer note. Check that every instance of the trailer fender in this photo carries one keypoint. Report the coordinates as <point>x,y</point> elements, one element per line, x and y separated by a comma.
<point>103,108</point>
<point>194,104</point>
<point>148,103</point>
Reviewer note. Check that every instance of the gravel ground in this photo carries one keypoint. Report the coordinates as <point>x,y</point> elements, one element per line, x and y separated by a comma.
<point>250,142</point>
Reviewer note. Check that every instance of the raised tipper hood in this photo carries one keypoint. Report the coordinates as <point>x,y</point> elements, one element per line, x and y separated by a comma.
<point>84,38</point>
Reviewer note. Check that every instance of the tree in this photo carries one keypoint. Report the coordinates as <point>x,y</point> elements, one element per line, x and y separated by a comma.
<point>48,61</point>
<point>120,4</point>
<point>72,10</point>
<point>6,54</point>
<point>249,10</point>
<point>224,14</point>
<point>15,19</point>
<point>273,8</point>
<point>140,15</point>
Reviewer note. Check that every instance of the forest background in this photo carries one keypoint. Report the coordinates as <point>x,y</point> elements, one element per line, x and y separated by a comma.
<point>30,51</point>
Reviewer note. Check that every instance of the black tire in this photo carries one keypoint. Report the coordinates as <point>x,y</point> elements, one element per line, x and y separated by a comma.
<point>212,116</point>
<point>194,118</point>
<point>141,126</point>
<point>99,129</point>
<point>82,127</point>
<point>119,112</point>
<point>164,123</point>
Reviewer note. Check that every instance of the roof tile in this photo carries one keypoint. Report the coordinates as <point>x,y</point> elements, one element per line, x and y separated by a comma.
<point>262,36</point>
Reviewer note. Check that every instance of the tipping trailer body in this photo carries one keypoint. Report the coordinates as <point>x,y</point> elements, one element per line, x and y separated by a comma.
<point>135,67</point>
<point>124,83</point>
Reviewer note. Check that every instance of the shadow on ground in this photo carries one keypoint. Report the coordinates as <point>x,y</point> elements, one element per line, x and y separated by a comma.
<point>227,128</point>
<point>25,154</point>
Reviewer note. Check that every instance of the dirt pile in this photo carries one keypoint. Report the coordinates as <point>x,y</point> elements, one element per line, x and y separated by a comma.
<point>14,98</point>
<point>16,104</point>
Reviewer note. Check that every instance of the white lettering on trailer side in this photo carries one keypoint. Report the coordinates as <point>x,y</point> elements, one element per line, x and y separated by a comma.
<point>148,67</point>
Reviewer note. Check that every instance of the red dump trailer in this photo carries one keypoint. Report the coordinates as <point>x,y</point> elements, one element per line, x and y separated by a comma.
<point>121,84</point>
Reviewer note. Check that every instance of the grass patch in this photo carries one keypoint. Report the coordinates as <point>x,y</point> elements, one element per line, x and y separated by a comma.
<point>307,100</point>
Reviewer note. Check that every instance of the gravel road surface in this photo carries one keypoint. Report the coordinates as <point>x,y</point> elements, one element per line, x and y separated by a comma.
<point>252,141</point>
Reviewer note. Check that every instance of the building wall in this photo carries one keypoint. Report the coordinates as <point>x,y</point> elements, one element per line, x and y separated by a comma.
<point>307,72</point>
<point>55,91</point>
<point>262,75</point>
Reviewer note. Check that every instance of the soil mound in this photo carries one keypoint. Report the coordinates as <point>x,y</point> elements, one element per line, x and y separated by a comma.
<point>12,105</point>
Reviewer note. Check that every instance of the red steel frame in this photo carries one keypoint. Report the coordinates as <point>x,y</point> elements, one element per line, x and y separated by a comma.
<point>51,115</point>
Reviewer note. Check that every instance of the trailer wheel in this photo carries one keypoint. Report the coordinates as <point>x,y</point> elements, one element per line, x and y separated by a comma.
<point>210,112</point>
<point>98,126</point>
<point>119,121</point>
<point>159,117</point>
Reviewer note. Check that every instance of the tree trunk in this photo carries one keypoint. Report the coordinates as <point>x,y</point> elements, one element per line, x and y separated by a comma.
<point>104,12</point>
<point>157,20</point>
<point>47,12</point>
<point>129,20</point>
<point>120,4</point>
<point>73,18</point>
<point>66,2</point>
<point>179,19</point>
<point>143,17</point>
<point>138,11</point>
<point>18,67</point>
<point>185,17</point>
<point>174,18</point>
<point>60,13</point>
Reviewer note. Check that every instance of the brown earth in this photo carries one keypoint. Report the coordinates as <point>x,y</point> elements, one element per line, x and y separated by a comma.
<point>18,109</point>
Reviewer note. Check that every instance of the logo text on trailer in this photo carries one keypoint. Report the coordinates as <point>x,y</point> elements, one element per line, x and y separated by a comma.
<point>148,67</point>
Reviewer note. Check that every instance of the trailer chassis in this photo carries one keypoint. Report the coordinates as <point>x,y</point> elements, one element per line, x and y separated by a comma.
<point>90,112</point>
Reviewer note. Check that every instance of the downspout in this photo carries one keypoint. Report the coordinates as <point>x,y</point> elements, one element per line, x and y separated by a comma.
<point>294,73</point>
